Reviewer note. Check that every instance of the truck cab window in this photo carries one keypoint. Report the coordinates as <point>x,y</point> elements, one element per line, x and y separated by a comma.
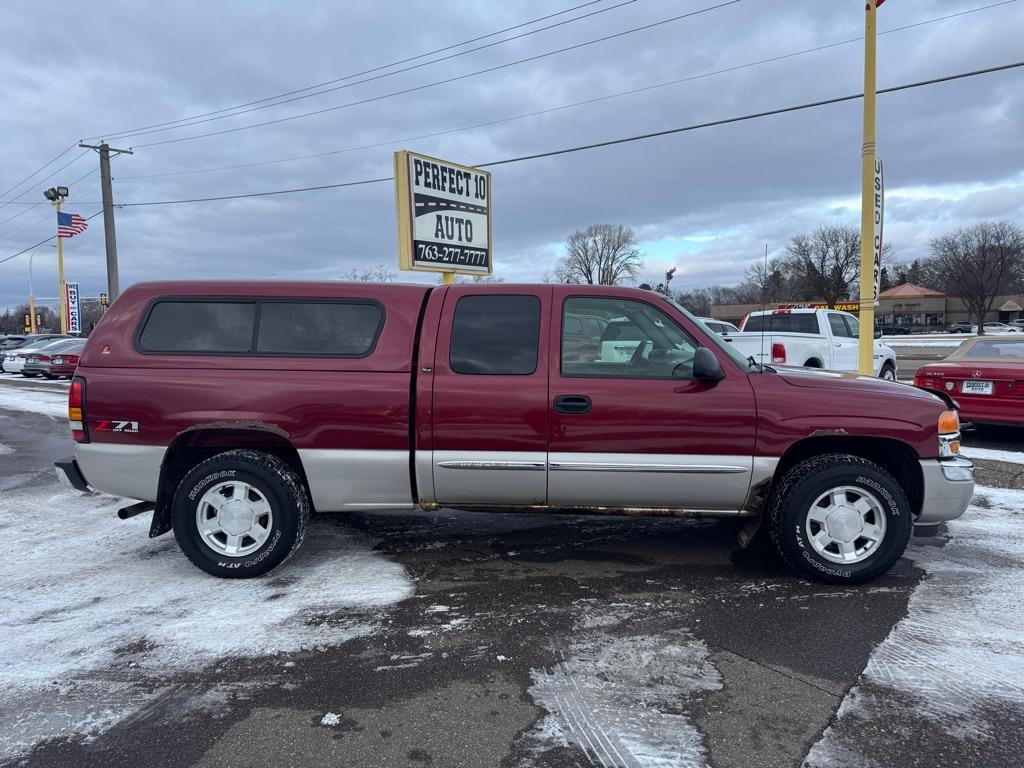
<point>495,335</point>
<point>637,341</point>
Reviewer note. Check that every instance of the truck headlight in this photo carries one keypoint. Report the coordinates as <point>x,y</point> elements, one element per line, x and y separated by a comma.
<point>949,433</point>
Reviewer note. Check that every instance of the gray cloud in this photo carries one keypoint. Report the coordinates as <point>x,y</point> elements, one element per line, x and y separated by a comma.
<point>707,200</point>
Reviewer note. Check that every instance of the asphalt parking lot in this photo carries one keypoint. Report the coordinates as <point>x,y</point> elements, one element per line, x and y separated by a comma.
<point>455,639</point>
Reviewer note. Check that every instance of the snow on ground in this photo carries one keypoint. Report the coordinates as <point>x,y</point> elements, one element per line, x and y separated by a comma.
<point>990,454</point>
<point>5,449</point>
<point>619,699</point>
<point>956,657</point>
<point>34,400</point>
<point>951,341</point>
<point>85,596</point>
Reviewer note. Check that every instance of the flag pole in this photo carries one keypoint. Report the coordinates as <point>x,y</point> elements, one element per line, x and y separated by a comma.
<point>60,274</point>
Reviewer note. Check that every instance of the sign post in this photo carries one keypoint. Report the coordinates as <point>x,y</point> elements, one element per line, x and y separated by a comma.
<point>870,201</point>
<point>74,311</point>
<point>444,216</point>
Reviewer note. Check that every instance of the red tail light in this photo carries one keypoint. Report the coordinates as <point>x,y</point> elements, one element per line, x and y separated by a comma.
<point>43,357</point>
<point>76,410</point>
<point>778,352</point>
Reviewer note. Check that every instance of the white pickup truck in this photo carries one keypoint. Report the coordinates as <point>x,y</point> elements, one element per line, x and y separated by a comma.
<point>813,338</point>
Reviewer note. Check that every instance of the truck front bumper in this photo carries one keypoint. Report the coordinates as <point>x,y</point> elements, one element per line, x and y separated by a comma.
<point>948,488</point>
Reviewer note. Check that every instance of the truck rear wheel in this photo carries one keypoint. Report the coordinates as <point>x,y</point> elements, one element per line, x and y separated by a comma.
<point>240,514</point>
<point>840,519</point>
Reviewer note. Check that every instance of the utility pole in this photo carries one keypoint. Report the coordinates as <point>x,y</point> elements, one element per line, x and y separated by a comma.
<point>108,213</point>
<point>866,340</point>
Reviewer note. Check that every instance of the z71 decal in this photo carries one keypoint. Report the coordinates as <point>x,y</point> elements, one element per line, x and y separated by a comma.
<point>108,425</point>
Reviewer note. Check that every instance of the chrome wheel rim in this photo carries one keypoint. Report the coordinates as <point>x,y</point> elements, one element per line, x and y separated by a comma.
<point>234,518</point>
<point>889,375</point>
<point>846,525</point>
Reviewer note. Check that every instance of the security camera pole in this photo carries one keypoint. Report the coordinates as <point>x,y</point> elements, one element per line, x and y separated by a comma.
<point>870,251</point>
<point>108,213</point>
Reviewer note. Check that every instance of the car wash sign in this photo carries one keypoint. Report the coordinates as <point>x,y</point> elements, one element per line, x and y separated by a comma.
<point>444,215</point>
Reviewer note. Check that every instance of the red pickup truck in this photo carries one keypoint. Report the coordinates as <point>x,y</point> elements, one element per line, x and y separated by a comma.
<point>235,409</point>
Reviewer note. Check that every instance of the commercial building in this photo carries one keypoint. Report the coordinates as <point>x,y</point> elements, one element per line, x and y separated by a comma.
<point>908,305</point>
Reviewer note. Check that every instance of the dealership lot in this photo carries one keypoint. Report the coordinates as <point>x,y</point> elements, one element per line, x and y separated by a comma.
<point>444,638</point>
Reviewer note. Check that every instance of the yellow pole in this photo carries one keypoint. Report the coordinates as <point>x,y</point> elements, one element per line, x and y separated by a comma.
<point>32,314</point>
<point>449,278</point>
<point>60,279</point>
<point>867,201</point>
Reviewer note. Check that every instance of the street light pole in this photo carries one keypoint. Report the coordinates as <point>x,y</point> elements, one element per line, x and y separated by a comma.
<point>866,340</point>
<point>60,276</point>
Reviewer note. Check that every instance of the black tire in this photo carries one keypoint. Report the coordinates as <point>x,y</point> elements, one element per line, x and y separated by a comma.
<point>29,375</point>
<point>796,493</point>
<point>270,476</point>
<point>887,368</point>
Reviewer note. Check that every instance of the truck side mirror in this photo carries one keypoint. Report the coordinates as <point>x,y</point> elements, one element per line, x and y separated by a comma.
<point>706,366</point>
<point>878,333</point>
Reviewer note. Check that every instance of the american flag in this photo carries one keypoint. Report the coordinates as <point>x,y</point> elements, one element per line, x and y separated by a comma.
<point>70,224</point>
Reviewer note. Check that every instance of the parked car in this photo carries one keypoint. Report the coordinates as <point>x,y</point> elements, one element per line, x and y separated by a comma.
<point>812,338</point>
<point>10,341</point>
<point>961,327</point>
<point>721,327</point>
<point>892,329</point>
<point>40,362</point>
<point>581,337</point>
<point>64,362</point>
<point>232,410</point>
<point>15,359</point>
<point>31,340</point>
<point>1017,324</point>
<point>985,375</point>
<point>997,328</point>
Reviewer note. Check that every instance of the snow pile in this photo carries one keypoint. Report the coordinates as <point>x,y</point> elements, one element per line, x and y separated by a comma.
<point>619,699</point>
<point>990,454</point>
<point>35,401</point>
<point>957,658</point>
<point>5,450</point>
<point>951,341</point>
<point>84,594</point>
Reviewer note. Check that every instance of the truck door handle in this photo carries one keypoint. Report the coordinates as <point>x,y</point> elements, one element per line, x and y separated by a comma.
<point>572,404</point>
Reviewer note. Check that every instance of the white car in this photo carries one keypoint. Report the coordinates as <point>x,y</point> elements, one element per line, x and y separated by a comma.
<point>721,327</point>
<point>1001,328</point>
<point>14,359</point>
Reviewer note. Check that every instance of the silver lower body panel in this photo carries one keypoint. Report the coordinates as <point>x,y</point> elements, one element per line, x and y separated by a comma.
<point>948,488</point>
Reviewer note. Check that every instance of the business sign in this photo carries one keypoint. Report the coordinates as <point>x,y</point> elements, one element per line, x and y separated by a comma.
<point>74,308</point>
<point>847,306</point>
<point>444,215</point>
<point>879,191</point>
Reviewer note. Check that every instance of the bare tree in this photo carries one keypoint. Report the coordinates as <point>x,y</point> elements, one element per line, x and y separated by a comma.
<point>978,263</point>
<point>475,279</point>
<point>825,264</point>
<point>377,274</point>
<point>601,254</point>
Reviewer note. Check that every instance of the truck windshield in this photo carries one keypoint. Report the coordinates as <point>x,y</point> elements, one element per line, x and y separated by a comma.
<point>804,322</point>
<point>713,337</point>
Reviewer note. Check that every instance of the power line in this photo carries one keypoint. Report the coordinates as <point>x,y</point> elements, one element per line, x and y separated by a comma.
<point>45,178</point>
<point>610,142</point>
<point>40,168</point>
<point>441,82</point>
<point>260,105</point>
<point>355,74</point>
<point>42,242</point>
<point>29,206</point>
<point>48,215</point>
<point>570,105</point>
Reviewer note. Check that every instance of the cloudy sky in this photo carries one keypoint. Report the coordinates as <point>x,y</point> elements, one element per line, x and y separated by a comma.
<point>704,200</point>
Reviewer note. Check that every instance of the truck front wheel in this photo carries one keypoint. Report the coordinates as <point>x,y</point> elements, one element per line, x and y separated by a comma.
<point>840,519</point>
<point>888,372</point>
<point>240,514</point>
